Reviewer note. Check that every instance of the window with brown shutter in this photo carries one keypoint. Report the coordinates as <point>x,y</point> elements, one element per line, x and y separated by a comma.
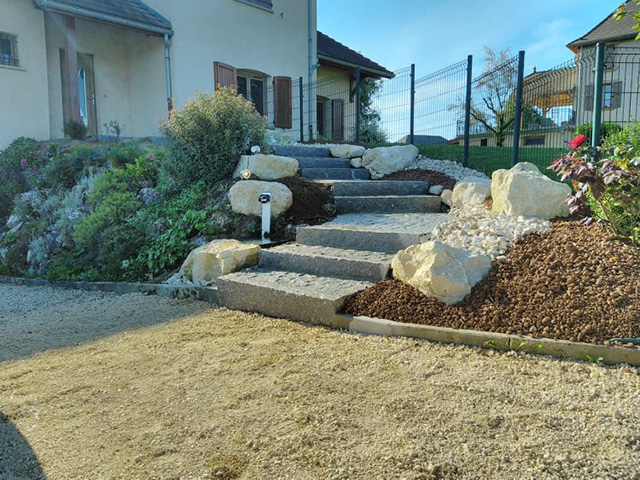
<point>616,93</point>
<point>224,75</point>
<point>337,119</point>
<point>283,117</point>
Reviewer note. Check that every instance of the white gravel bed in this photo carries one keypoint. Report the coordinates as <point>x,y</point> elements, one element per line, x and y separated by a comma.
<point>448,167</point>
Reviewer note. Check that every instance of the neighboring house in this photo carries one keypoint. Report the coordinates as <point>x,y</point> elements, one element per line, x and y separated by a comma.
<point>336,87</point>
<point>622,68</point>
<point>424,140</point>
<point>97,61</point>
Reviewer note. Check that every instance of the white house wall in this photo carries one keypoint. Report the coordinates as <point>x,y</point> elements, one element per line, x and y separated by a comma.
<point>238,34</point>
<point>129,76</point>
<point>24,103</point>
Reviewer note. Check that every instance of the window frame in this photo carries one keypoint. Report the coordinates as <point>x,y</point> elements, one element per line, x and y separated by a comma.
<point>248,76</point>
<point>266,5</point>
<point>14,59</point>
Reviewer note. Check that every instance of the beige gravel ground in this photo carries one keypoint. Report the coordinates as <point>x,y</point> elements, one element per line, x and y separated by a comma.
<point>96,385</point>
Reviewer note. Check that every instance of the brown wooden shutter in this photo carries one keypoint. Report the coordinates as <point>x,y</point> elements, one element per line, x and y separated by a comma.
<point>282,115</point>
<point>337,119</point>
<point>588,97</point>
<point>224,75</point>
<point>616,94</point>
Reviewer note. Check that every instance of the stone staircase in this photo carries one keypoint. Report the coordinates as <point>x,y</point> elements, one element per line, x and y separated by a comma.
<point>310,280</point>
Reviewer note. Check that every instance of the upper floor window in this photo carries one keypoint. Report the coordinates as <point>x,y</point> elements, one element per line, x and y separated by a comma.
<point>267,4</point>
<point>9,50</point>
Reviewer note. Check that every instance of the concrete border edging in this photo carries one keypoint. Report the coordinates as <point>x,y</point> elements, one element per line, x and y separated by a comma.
<point>501,341</point>
<point>205,294</point>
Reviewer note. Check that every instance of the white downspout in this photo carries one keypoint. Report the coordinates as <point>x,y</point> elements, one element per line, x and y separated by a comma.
<point>167,63</point>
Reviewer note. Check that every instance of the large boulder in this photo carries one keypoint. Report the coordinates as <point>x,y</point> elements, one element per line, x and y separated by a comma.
<point>470,191</point>
<point>525,191</point>
<point>440,271</point>
<point>384,160</point>
<point>216,258</point>
<point>347,151</point>
<point>267,167</point>
<point>244,195</point>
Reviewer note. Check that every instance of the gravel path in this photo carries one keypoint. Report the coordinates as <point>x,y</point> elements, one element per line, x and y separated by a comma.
<point>159,388</point>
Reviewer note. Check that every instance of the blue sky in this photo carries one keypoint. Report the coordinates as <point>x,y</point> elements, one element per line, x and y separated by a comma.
<point>434,34</point>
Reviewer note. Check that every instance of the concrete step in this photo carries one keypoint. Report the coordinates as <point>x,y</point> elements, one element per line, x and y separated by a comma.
<point>357,188</point>
<point>374,232</point>
<point>323,162</point>
<point>327,261</point>
<point>296,151</point>
<point>388,204</point>
<point>299,296</point>
<point>335,173</point>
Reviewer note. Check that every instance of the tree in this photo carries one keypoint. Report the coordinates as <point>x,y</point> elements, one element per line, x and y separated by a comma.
<point>370,129</point>
<point>496,87</point>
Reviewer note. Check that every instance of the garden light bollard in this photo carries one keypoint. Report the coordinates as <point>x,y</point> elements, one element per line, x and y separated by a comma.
<point>265,200</point>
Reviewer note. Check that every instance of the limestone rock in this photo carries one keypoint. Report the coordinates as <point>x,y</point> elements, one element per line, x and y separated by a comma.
<point>356,162</point>
<point>436,190</point>
<point>267,167</point>
<point>470,191</point>
<point>446,196</point>
<point>440,271</point>
<point>347,151</point>
<point>244,197</point>
<point>525,191</point>
<point>216,258</point>
<point>384,160</point>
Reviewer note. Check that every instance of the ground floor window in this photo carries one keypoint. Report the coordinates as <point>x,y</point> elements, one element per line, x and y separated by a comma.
<point>253,89</point>
<point>9,50</point>
<point>533,141</point>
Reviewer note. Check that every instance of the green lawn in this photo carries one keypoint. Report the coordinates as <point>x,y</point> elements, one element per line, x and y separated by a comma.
<point>489,159</point>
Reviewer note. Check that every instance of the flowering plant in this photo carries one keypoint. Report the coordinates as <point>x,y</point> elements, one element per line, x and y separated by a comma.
<point>605,188</point>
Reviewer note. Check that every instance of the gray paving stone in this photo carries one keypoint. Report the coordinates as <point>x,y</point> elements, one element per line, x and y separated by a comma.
<point>335,173</point>
<point>388,204</point>
<point>298,296</point>
<point>296,151</point>
<point>355,188</point>
<point>323,162</point>
<point>328,261</point>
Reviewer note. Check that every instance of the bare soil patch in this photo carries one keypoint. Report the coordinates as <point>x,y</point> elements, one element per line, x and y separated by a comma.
<point>575,283</point>
<point>215,394</point>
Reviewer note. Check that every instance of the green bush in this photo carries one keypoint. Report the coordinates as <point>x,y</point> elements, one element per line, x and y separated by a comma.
<point>606,129</point>
<point>208,135</point>
<point>76,130</point>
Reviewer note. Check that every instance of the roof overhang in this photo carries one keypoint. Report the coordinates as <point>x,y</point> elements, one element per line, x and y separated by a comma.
<point>57,7</point>
<point>577,44</point>
<point>369,72</point>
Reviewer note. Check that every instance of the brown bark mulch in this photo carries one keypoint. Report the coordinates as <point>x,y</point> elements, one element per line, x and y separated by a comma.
<point>575,283</point>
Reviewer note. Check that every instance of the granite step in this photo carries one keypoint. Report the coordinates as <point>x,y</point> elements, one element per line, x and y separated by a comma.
<point>388,204</point>
<point>323,162</point>
<point>357,188</point>
<point>299,296</point>
<point>327,261</point>
<point>296,151</point>
<point>335,173</point>
<point>373,232</point>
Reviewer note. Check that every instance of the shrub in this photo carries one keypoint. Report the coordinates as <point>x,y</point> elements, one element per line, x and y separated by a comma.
<point>209,134</point>
<point>76,130</point>
<point>606,129</point>
<point>609,187</point>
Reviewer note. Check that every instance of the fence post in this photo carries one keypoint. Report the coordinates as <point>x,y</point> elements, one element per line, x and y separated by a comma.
<point>517,122</point>
<point>597,95</point>
<point>301,93</point>
<point>467,111</point>
<point>413,103</point>
<point>358,104</point>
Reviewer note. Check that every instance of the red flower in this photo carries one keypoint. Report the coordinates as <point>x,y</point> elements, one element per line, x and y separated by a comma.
<point>578,141</point>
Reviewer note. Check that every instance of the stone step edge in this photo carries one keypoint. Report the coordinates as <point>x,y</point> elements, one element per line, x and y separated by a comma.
<point>329,248</point>
<point>562,349</point>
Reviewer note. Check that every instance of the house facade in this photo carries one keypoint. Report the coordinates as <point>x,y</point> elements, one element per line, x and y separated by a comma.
<point>128,62</point>
<point>125,61</point>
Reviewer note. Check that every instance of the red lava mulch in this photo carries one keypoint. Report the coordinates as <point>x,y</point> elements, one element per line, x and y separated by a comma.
<point>430,176</point>
<point>575,283</point>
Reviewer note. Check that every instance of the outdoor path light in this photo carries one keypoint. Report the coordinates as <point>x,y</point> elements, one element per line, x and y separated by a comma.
<point>265,200</point>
